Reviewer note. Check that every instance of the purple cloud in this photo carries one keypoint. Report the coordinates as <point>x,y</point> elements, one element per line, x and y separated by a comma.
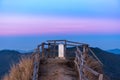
<point>17,25</point>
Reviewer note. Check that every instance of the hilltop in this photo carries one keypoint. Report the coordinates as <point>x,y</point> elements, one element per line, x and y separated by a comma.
<point>110,61</point>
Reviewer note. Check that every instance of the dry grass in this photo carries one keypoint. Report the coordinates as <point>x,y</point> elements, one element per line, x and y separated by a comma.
<point>95,65</point>
<point>21,71</point>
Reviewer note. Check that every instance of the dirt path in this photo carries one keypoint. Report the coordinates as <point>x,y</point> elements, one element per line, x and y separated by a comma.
<point>57,69</point>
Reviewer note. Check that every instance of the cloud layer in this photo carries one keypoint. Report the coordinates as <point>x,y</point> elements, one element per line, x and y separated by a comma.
<point>23,25</point>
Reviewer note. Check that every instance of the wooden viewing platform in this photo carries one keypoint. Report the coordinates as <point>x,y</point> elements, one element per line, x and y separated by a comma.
<point>65,60</point>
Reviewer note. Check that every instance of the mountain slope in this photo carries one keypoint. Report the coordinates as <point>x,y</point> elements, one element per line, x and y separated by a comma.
<point>111,63</point>
<point>7,58</point>
<point>115,51</point>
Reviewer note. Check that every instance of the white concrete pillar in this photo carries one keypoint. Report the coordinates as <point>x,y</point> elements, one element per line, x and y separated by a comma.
<point>61,51</point>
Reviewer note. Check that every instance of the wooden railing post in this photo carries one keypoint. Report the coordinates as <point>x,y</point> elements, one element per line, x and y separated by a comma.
<point>43,52</point>
<point>54,50</point>
<point>48,49</point>
<point>80,64</point>
<point>36,61</point>
<point>65,49</point>
<point>85,51</point>
<point>100,77</point>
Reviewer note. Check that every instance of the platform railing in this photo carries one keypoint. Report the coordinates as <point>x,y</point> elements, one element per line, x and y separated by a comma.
<point>80,65</point>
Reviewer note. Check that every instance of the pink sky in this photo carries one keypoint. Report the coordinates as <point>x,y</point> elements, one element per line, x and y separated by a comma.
<point>30,25</point>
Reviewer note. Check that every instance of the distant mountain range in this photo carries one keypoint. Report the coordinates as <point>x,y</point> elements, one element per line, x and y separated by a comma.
<point>20,51</point>
<point>115,51</point>
<point>25,51</point>
<point>111,61</point>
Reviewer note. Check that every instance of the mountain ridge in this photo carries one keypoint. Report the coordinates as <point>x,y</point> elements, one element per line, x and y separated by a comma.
<point>115,51</point>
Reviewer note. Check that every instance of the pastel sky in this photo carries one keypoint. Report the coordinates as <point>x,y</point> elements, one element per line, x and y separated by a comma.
<point>79,20</point>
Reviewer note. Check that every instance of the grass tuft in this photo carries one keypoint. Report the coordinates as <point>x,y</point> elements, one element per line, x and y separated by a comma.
<point>21,71</point>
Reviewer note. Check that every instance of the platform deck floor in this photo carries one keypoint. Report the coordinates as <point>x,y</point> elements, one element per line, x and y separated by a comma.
<point>57,69</point>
